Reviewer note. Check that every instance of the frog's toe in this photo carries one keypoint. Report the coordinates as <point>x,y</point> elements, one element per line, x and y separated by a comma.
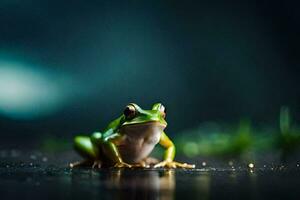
<point>161,164</point>
<point>79,164</point>
<point>151,161</point>
<point>97,164</point>
<point>141,164</point>
<point>184,165</point>
<point>123,165</point>
<point>173,164</point>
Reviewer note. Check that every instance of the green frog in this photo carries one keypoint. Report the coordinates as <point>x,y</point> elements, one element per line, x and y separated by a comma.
<point>128,140</point>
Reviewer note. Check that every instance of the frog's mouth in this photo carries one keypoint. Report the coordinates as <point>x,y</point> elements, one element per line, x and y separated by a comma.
<point>148,123</point>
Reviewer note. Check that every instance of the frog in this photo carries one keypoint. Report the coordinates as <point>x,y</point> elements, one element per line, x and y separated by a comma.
<point>128,141</point>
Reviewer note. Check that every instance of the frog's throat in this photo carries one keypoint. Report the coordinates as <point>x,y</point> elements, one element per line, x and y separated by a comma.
<point>139,140</point>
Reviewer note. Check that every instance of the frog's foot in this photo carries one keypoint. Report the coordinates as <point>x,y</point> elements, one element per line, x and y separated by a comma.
<point>122,165</point>
<point>146,163</point>
<point>151,161</point>
<point>173,164</point>
<point>79,163</point>
<point>97,164</point>
<point>141,164</point>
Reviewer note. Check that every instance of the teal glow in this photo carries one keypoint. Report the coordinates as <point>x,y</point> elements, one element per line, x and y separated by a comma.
<point>26,92</point>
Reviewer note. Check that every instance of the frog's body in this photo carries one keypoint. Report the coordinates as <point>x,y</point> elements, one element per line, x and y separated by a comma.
<point>128,140</point>
<point>139,141</point>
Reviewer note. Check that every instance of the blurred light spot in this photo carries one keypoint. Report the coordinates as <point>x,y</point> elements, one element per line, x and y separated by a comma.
<point>203,164</point>
<point>191,149</point>
<point>251,165</point>
<point>26,92</point>
<point>33,157</point>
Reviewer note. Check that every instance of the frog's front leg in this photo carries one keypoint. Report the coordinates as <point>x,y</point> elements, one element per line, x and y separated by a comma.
<point>170,154</point>
<point>109,148</point>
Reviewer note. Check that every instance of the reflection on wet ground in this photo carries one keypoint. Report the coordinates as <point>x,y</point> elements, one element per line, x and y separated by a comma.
<point>27,181</point>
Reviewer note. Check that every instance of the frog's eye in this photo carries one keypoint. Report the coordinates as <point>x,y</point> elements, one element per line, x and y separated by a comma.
<point>130,112</point>
<point>162,109</point>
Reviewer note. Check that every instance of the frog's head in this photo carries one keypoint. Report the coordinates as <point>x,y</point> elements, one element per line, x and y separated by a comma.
<point>133,115</point>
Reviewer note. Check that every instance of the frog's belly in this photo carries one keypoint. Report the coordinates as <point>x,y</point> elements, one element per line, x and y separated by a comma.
<point>135,152</point>
<point>138,142</point>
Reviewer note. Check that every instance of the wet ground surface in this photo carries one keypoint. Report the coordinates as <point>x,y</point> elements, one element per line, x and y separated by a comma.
<point>41,177</point>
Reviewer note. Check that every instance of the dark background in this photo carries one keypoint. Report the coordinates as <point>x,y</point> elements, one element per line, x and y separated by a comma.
<point>69,67</point>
